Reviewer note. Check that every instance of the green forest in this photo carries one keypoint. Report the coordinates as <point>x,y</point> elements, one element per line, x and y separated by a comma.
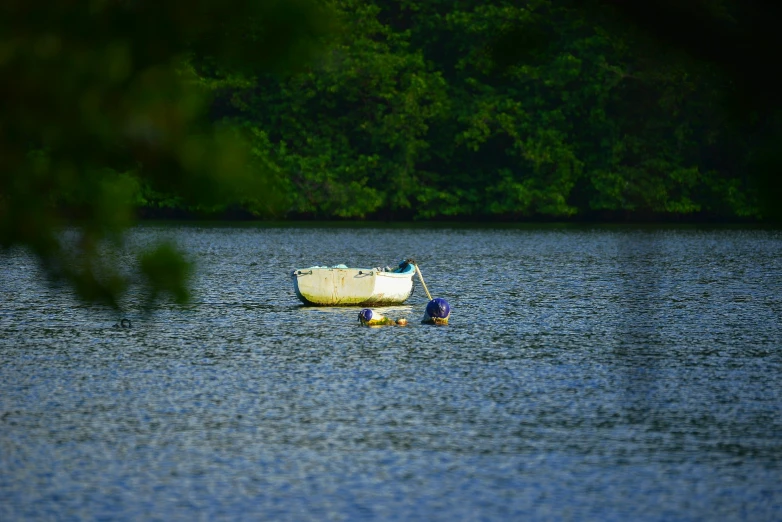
<point>492,110</point>
<point>399,110</point>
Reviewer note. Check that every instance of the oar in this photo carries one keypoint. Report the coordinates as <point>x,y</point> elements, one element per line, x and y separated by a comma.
<point>421,277</point>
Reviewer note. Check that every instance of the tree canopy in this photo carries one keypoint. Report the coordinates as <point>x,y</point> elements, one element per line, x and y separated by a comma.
<point>503,110</point>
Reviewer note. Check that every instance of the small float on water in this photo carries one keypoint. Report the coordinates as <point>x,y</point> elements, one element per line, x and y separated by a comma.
<point>368,317</point>
<point>343,286</point>
<point>124,323</point>
<point>437,312</point>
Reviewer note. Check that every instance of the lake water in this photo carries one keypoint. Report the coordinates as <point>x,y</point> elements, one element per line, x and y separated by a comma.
<point>588,373</point>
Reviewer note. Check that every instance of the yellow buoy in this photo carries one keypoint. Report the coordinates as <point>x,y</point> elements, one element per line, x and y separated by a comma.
<point>368,317</point>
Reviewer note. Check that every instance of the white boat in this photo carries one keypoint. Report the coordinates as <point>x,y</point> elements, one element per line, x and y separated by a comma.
<point>342,286</point>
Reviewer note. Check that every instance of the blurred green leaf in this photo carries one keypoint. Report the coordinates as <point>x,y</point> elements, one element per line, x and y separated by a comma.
<point>102,106</point>
<point>166,272</point>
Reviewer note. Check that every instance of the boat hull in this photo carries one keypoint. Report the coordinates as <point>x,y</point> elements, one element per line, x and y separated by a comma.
<point>322,286</point>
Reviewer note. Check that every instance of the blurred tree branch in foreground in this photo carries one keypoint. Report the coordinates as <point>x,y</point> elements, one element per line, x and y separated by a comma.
<point>99,98</point>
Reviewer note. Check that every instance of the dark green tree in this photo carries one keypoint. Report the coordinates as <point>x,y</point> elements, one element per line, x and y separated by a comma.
<point>500,109</point>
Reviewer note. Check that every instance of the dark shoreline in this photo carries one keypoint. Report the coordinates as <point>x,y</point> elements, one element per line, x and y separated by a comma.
<point>618,218</point>
<point>457,225</point>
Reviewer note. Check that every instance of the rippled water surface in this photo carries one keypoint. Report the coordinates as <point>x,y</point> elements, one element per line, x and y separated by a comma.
<point>587,374</point>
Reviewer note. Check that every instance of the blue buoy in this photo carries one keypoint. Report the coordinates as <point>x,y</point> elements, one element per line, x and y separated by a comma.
<point>365,315</point>
<point>437,311</point>
<point>369,318</point>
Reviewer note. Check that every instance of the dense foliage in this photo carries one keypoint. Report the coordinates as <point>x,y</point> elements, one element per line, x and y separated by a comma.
<point>497,109</point>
